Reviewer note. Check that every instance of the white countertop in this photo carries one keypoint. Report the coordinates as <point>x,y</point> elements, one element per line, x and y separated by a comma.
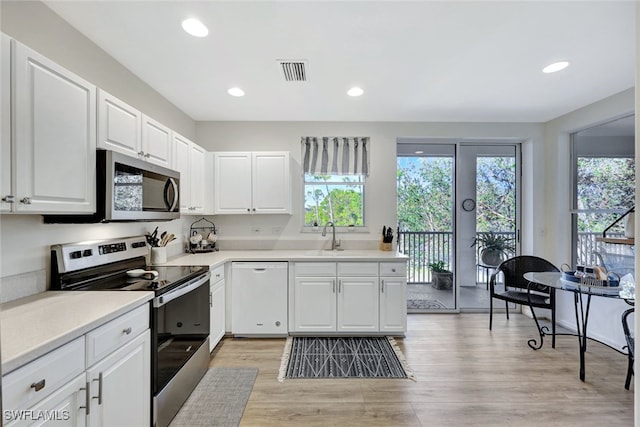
<point>35,325</point>
<point>213,259</point>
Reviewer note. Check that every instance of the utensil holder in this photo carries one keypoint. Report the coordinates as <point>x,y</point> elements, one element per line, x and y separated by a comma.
<point>158,255</point>
<point>387,247</point>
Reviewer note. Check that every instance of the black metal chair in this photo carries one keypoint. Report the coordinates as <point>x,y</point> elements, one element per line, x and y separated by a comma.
<point>630,345</point>
<point>520,291</point>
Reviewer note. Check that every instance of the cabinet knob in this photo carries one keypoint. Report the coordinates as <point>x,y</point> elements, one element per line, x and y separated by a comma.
<point>254,209</point>
<point>26,200</point>
<point>147,155</point>
<point>39,385</point>
<point>248,210</point>
<point>8,199</point>
<point>393,270</point>
<point>141,153</point>
<point>127,331</point>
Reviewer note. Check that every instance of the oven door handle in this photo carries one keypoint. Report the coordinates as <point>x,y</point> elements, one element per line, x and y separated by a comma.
<point>181,290</point>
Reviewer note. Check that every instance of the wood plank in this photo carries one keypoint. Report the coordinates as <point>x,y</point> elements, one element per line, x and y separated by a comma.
<point>466,375</point>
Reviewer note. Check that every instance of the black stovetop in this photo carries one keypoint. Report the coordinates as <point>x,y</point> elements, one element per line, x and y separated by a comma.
<point>113,277</point>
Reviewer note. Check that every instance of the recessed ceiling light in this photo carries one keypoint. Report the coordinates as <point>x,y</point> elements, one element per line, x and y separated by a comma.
<point>355,91</point>
<point>556,66</point>
<point>194,27</point>
<point>235,91</point>
<point>419,152</point>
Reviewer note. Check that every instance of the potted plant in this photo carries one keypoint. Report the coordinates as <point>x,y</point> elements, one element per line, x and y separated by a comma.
<point>441,278</point>
<point>494,248</point>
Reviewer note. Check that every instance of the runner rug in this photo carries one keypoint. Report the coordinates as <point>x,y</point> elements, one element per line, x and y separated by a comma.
<point>343,357</point>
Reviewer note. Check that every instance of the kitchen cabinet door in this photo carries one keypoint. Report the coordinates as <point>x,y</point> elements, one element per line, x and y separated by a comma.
<point>121,386</point>
<point>182,155</point>
<point>393,304</point>
<point>197,181</point>
<point>315,304</point>
<point>5,125</point>
<point>358,304</point>
<point>218,314</point>
<point>232,181</point>
<point>55,136</point>
<point>119,125</point>
<point>156,142</point>
<point>67,404</point>
<point>271,184</point>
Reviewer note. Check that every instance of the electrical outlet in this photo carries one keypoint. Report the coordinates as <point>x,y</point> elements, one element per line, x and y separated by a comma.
<point>256,230</point>
<point>276,230</point>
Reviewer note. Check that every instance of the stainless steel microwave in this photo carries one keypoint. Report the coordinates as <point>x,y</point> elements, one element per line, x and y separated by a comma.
<point>130,189</point>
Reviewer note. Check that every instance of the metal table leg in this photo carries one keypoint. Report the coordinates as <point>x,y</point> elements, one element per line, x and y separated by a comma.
<point>581,327</point>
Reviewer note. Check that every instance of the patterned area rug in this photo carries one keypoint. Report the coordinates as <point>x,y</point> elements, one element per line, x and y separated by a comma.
<point>218,400</point>
<point>343,357</point>
<point>425,304</point>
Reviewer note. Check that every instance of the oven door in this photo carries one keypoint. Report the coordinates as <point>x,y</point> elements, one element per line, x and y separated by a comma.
<point>180,322</point>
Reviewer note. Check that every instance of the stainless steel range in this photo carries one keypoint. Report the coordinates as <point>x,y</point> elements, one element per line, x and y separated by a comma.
<point>179,319</point>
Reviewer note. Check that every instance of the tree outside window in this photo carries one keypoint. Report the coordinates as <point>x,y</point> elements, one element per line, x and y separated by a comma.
<point>335,198</point>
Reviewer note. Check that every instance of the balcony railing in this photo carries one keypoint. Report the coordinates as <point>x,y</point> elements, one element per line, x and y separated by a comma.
<point>425,247</point>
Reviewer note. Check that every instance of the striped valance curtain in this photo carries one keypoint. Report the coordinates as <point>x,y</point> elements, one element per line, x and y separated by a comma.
<point>335,155</point>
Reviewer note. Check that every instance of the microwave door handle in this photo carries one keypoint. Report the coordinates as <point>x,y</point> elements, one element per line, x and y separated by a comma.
<point>171,204</point>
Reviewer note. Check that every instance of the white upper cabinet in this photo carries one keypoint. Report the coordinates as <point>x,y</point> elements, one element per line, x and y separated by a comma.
<point>257,182</point>
<point>189,160</point>
<point>119,125</point>
<point>126,130</point>
<point>198,186</point>
<point>271,185</point>
<point>54,125</point>
<point>181,157</point>
<point>5,126</point>
<point>156,142</point>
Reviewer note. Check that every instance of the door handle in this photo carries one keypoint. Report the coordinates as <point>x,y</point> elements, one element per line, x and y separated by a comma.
<point>99,396</point>
<point>87,399</point>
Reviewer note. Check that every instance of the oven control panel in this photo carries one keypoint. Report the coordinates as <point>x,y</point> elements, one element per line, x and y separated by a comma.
<point>76,256</point>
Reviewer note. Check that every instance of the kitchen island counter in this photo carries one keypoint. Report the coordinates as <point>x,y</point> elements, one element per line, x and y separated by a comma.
<point>35,325</point>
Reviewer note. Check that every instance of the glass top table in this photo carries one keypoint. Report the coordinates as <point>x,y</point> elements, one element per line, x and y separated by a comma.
<point>579,290</point>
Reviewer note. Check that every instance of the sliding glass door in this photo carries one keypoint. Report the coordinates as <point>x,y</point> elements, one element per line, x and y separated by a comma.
<point>449,197</point>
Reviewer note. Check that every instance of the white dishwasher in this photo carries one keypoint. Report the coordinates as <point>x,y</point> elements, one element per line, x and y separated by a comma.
<point>259,298</point>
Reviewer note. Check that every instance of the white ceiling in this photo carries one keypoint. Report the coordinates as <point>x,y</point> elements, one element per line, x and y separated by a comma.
<point>416,60</point>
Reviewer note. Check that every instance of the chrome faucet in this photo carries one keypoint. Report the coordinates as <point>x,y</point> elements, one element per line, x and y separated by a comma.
<point>334,244</point>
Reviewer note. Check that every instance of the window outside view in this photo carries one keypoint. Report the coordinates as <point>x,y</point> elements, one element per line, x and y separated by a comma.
<point>335,198</point>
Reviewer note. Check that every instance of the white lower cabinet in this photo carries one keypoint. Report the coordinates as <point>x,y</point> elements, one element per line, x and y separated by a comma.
<point>64,388</point>
<point>120,386</point>
<point>217,301</point>
<point>348,297</point>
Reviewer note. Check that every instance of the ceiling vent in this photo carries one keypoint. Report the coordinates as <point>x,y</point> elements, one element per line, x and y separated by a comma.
<point>293,70</point>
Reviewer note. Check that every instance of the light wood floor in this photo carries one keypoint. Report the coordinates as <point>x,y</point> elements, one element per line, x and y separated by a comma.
<point>466,375</point>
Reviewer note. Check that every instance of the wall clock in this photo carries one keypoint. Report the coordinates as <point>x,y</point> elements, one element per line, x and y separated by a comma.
<point>468,205</point>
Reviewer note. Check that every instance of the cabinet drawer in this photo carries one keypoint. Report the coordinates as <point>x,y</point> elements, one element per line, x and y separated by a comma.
<point>393,269</point>
<point>111,336</point>
<point>357,269</point>
<point>217,274</point>
<point>315,269</point>
<point>47,373</point>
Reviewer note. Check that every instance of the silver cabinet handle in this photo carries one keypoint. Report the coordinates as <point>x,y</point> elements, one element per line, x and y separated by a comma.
<point>26,200</point>
<point>87,399</point>
<point>147,155</point>
<point>382,287</point>
<point>339,285</point>
<point>8,199</point>
<point>393,270</point>
<point>333,282</point>
<point>99,397</point>
<point>210,300</point>
<point>127,331</point>
<point>248,210</point>
<point>39,385</point>
<point>141,153</point>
